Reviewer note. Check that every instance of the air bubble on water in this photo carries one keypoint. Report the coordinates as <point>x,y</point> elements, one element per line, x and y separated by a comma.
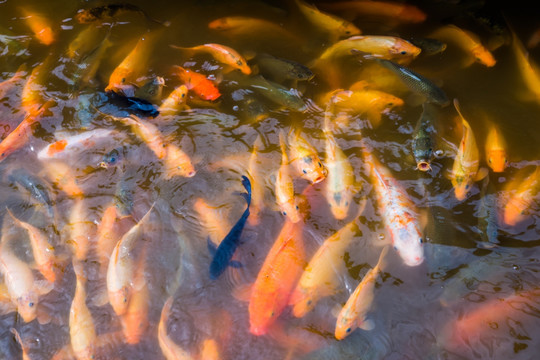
<point>381,237</point>
<point>439,153</point>
<point>515,267</point>
<point>235,107</point>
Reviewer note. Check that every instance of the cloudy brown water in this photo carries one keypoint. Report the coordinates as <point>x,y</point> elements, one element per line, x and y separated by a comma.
<point>416,309</point>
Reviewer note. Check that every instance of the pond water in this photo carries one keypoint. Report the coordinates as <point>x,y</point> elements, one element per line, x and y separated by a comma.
<point>473,295</point>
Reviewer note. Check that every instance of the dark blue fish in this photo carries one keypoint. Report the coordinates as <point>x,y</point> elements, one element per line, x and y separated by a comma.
<point>224,252</point>
<point>133,105</point>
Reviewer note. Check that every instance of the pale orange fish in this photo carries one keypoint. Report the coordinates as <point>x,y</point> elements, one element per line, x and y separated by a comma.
<point>106,237</point>
<point>24,347</point>
<point>496,149</point>
<point>198,83</point>
<point>148,133</point>
<point>121,279</point>
<point>6,305</point>
<point>61,174</point>
<point>340,181</point>
<point>321,275</point>
<point>21,284</point>
<point>353,314</point>
<point>135,319</point>
<point>285,197</point>
<point>468,41</point>
<point>85,41</point>
<point>82,330</point>
<point>530,72</point>
<point>465,169</point>
<point>133,66</point>
<point>39,25</point>
<point>32,93</point>
<point>169,349</point>
<point>223,54</point>
<point>210,350</point>
<point>246,25</point>
<point>257,183</point>
<point>47,262</point>
<point>12,83</point>
<point>80,230</point>
<point>276,279</point>
<point>534,39</point>
<point>335,26</point>
<point>177,163</point>
<point>175,102</point>
<point>387,10</point>
<point>305,159</point>
<point>521,198</point>
<point>23,132</point>
<point>213,221</point>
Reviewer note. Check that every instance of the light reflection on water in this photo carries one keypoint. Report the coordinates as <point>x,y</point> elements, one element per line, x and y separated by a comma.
<point>413,306</point>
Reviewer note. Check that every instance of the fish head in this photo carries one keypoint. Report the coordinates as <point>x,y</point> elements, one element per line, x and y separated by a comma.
<point>514,210</point>
<point>462,185</point>
<point>220,24</point>
<point>119,300</point>
<point>259,322</point>
<point>347,29</point>
<point>409,243</point>
<point>291,210</point>
<point>403,49</point>
<point>302,300</point>
<point>27,306</point>
<point>345,325</point>
<point>339,203</point>
<point>497,159</point>
<point>311,168</point>
<point>119,80</point>
<point>483,56</point>
<point>412,14</point>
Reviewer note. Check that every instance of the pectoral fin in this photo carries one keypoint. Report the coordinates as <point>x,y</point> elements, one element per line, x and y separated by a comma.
<point>367,325</point>
<point>482,173</point>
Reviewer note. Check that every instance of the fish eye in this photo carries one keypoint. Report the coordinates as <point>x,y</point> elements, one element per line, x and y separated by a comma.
<point>395,248</point>
<point>284,213</point>
<point>348,330</point>
<point>319,163</point>
<point>304,171</point>
<point>489,160</point>
<point>346,203</point>
<point>296,207</point>
<point>272,314</point>
<point>467,187</point>
<point>31,304</point>
<point>309,302</point>
<point>421,241</point>
<point>403,53</point>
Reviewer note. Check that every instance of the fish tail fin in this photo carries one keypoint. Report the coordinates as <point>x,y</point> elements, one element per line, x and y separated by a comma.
<point>283,147</point>
<point>382,259</point>
<point>247,186</point>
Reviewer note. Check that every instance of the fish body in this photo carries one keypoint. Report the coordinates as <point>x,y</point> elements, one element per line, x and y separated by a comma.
<point>465,168</point>
<point>247,25</point>
<point>468,41</point>
<point>228,245</point>
<point>387,10</point>
<point>169,349</point>
<point>122,267</point>
<point>321,275</point>
<point>82,330</point>
<point>496,149</point>
<point>398,211</point>
<point>280,69</point>
<point>36,186</point>
<point>175,102</point>
<point>429,46</point>
<point>39,25</point>
<point>151,90</point>
<point>353,314</point>
<point>305,159</point>
<point>257,183</point>
<point>204,88</point>
<point>276,279</point>
<point>81,230</point>
<point>148,133</point>
<point>88,66</point>
<point>32,93</point>
<point>106,238</point>
<point>223,54</point>
<point>530,72</point>
<point>84,42</point>
<point>417,82</point>
<point>521,198</point>
<point>177,163</point>
<point>61,174</point>
<point>423,139</point>
<point>335,26</point>
<point>488,213</point>
<point>285,187</point>
<point>135,319</point>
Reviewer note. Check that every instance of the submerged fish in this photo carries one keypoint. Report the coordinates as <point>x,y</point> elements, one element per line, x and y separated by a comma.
<point>133,105</point>
<point>82,330</point>
<point>521,197</point>
<point>496,149</point>
<point>279,69</point>
<point>386,10</point>
<point>488,213</point>
<point>169,349</point>
<point>228,245</point>
<point>416,82</point>
<point>36,186</point>
<point>175,102</point>
<point>88,66</point>
<point>151,90</point>
<point>305,159</point>
<point>221,53</point>
<point>353,314</point>
<point>40,26</point>
<point>284,190</point>
<point>423,138</point>
<point>529,70</point>
<point>85,16</point>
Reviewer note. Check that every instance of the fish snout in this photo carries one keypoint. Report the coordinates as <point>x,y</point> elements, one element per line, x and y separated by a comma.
<point>423,166</point>
<point>257,330</point>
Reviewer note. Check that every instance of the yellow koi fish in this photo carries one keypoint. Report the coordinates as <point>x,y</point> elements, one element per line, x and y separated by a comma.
<point>285,187</point>
<point>465,169</point>
<point>106,238</point>
<point>257,188</point>
<point>122,266</point>
<point>388,11</point>
<point>221,53</point>
<point>305,159</point>
<point>175,102</point>
<point>148,133</point>
<point>39,25</point>
<point>320,278</point>
<point>177,163</point>
<point>85,41</point>
<point>169,349</point>
<point>521,198</point>
<point>496,149</point>
<point>353,314</point>
<point>81,230</point>
<point>530,72</point>
<point>468,41</point>
<point>332,24</point>
<point>82,330</point>
<point>61,174</point>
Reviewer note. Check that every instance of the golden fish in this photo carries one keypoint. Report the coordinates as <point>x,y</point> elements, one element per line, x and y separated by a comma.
<point>496,149</point>
<point>81,230</point>
<point>221,53</point>
<point>521,198</point>
<point>353,314</point>
<point>62,176</point>
<point>284,186</point>
<point>175,102</point>
<point>530,73</point>
<point>148,133</point>
<point>82,330</point>
<point>85,41</point>
<point>387,10</point>
<point>40,26</point>
<point>169,349</point>
<point>177,163</point>
<point>305,159</point>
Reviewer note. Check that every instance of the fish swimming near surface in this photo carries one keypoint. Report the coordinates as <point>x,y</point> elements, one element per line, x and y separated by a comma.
<point>522,193</point>
<point>489,214</point>
<point>284,187</point>
<point>279,69</point>
<point>133,105</point>
<point>495,147</point>
<point>151,90</point>
<point>305,159</point>
<point>221,53</point>
<point>388,11</point>
<point>198,83</point>
<point>227,247</point>
<point>423,138</point>
<point>36,186</point>
<point>85,16</point>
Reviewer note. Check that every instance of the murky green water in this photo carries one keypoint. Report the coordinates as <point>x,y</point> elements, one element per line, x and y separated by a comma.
<point>415,308</point>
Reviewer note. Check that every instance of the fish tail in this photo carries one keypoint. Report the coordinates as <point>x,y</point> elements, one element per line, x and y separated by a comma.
<point>247,186</point>
<point>382,259</point>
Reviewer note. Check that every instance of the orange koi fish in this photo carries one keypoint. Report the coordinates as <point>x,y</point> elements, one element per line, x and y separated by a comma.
<point>465,169</point>
<point>340,182</point>
<point>257,188</point>
<point>106,237</point>
<point>175,102</point>
<point>133,65</point>
<point>204,88</point>
<point>305,159</point>
<point>39,25</point>
<point>398,211</point>
<point>320,278</point>
<point>496,149</point>
<point>62,176</point>
<point>22,133</point>
<point>85,41</point>
<point>276,279</point>
<point>169,348</point>
<point>81,230</point>
<point>521,198</point>
<point>530,72</point>
<point>47,262</point>
<point>468,41</point>
<point>210,350</point>
<point>32,92</point>
<point>332,24</point>
<point>387,10</point>
<point>148,133</point>
<point>11,84</point>
<point>22,287</point>
<point>121,271</point>
<point>353,314</point>
<point>82,330</point>
<point>177,163</point>
<point>285,187</point>
<point>221,53</point>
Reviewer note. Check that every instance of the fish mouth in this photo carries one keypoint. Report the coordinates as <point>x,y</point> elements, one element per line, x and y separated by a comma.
<point>415,261</point>
<point>423,166</point>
